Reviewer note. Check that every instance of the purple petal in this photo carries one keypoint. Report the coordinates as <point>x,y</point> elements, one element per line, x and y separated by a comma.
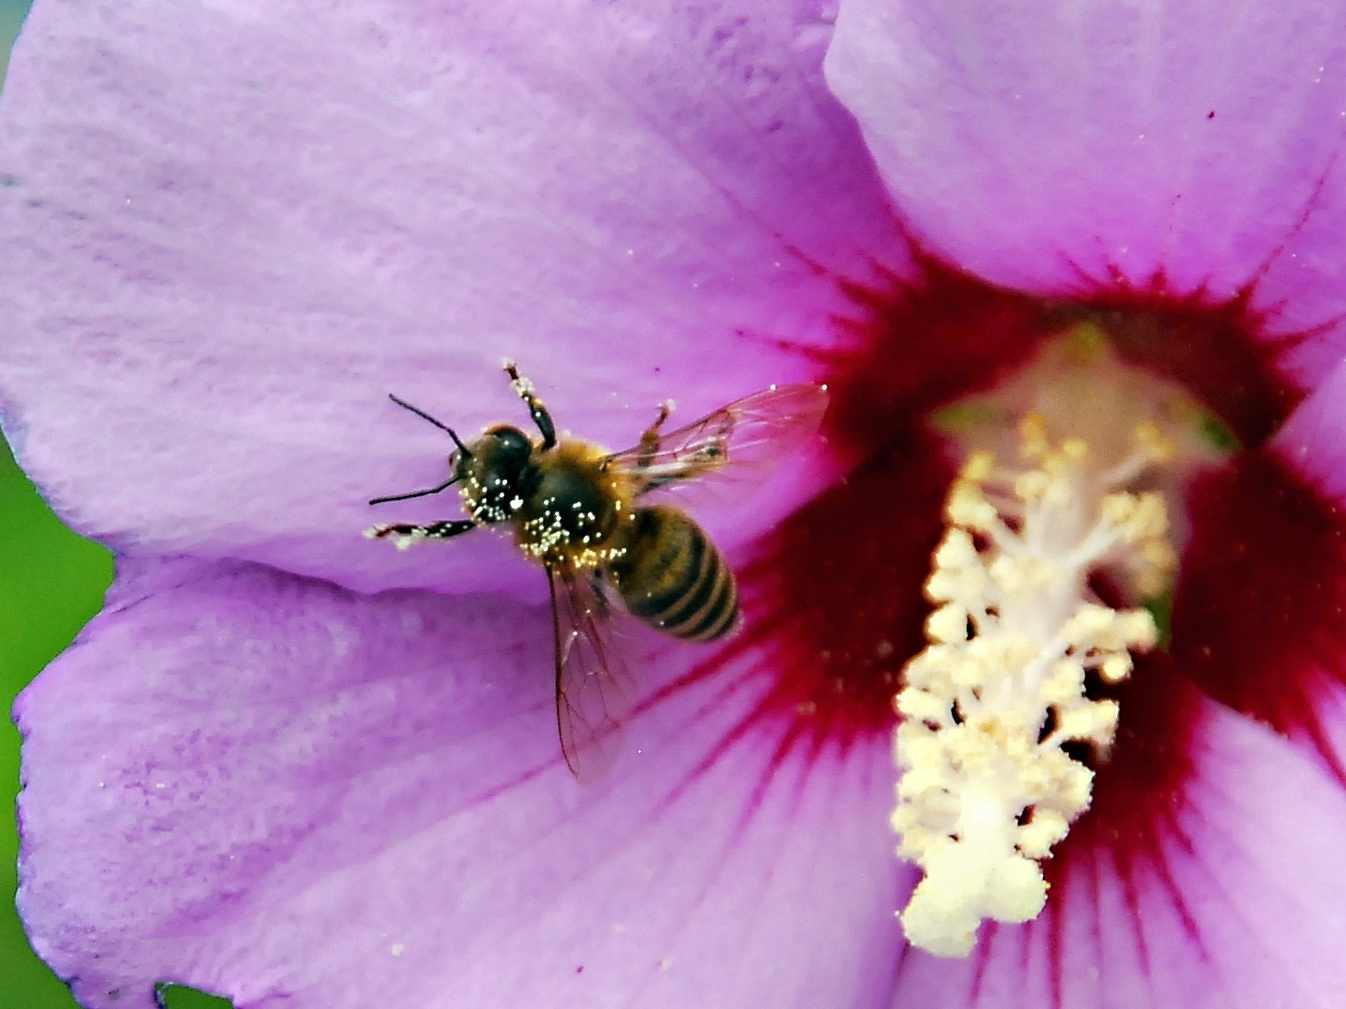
<point>1330,743</point>
<point>234,229</point>
<point>1313,439</point>
<point>270,788</point>
<point>1243,911</point>
<point>1060,147</point>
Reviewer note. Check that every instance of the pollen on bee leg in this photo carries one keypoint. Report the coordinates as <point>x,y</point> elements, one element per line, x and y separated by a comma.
<point>1046,498</point>
<point>402,541</point>
<point>521,384</point>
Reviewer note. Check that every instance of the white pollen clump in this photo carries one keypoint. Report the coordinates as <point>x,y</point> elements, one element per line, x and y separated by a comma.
<point>986,789</point>
<point>402,541</point>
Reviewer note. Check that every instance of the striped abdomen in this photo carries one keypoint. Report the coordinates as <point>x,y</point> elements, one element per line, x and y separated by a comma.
<point>672,576</point>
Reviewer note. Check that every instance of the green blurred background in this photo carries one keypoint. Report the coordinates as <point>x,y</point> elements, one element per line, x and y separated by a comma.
<point>51,583</point>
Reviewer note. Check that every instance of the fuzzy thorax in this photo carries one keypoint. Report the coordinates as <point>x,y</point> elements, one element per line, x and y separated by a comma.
<point>575,509</point>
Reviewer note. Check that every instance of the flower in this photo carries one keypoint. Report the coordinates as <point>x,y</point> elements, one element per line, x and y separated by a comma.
<point>290,765</point>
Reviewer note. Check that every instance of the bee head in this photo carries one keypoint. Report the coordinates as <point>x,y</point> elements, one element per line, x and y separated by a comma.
<point>492,469</point>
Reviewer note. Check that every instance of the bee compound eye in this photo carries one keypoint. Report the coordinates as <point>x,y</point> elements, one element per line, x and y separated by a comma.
<point>511,449</point>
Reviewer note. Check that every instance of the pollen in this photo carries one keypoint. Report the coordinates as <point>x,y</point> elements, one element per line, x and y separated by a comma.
<point>549,538</point>
<point>403,541</point>
<point>1041,504</point>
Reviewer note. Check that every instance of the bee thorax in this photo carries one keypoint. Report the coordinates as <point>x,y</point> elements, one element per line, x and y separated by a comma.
<point>572,513</point>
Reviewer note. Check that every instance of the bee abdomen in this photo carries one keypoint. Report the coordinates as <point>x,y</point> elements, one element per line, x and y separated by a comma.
<point>673,577</point>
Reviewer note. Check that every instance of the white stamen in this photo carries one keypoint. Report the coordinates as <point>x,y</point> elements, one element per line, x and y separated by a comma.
<point>986,789</point>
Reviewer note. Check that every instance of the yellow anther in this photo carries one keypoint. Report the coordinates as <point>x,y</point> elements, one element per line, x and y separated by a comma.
<point>1160,554</point>
<point>1118,508</point>
<point>967,506</point>
<point>1045,829</point>
<point>1033,443</point>
<point>956,550</point>
<point>1032,486</point>
<point>1075,449</point>
<point>979,467</point>
<point>1158,447</point>
<point>947,624</point>
<point>1115,668</point>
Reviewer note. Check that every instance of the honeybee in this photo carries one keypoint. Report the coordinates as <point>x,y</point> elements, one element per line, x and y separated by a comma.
<point>572,504</point>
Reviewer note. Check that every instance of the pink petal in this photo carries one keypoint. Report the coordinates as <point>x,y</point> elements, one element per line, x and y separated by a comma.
<point>269,788</point>
<point>1243,912</point>
<point>1063,148</point>
<point>1313,439</point>
<point>235,229</point>
<point>1330,743</point>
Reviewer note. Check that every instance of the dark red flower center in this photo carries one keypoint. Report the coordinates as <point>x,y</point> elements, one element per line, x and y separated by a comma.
<point>835,600</point>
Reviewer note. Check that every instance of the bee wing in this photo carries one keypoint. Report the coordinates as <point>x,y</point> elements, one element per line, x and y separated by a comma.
<point>757,431</point>
<point>594,688</point>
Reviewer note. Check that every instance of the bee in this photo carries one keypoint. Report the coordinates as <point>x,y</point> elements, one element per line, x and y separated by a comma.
<point>573,508</point>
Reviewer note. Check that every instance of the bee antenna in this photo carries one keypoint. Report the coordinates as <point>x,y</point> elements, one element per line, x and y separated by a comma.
<point>439,424</point>
<point>419,493</point>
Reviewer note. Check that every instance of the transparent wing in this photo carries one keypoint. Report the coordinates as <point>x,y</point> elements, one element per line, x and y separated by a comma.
<point>594,688</point>
<point>757,431</point>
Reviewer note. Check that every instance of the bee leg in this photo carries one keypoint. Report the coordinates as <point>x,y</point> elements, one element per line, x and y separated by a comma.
<point>528,393</point>
<point>649,441</point>
<point>405,535</point>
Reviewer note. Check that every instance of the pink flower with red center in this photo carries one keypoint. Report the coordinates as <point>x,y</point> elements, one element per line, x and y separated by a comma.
<point>294,766</point>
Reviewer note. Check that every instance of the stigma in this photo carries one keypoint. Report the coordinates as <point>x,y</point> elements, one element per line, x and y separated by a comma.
<point>1070,477</point>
